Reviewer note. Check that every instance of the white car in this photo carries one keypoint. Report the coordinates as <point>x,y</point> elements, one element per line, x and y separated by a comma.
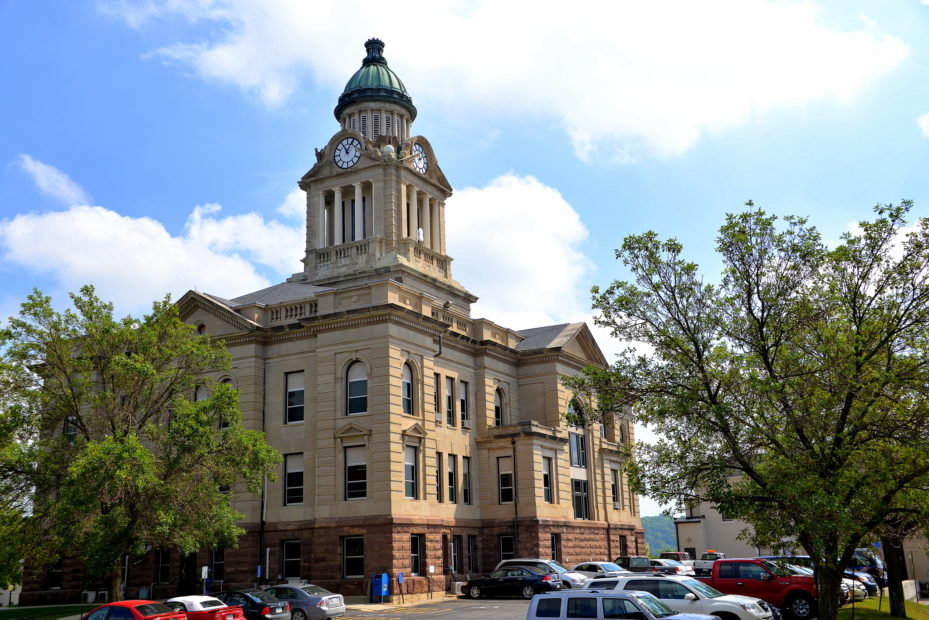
<point>569,579</point>
<point>204,608</point>
<point>599,604</point>
<point>600,569</point>
<point>689,595</point>
<point>680,567</point>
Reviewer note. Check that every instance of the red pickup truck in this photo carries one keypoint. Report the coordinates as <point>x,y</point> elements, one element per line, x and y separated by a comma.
<point>774,584</point>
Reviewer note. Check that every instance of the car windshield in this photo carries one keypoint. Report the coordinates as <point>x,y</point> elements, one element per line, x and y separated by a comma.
<point>316,590</point>
<point>779,568</point>
<point>260,596</point>
<point>653,605</point>
<point>610,566</point>
<point>558,567</point>
<point>153,609</point>
<point>670,562</point>
<point>702,588</point>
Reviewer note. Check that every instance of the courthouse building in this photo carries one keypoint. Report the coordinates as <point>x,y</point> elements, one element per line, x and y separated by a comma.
<point>415,437</point>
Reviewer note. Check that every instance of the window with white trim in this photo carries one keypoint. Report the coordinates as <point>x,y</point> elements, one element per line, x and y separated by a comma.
<point>579,496</point>
<point>353,556</point>
<point>294,404</point>
<point>466,480</point>
<point>293,479</point>
<point>498,408</point>
<point>547,479</point>
<point>463,404</point>
<point>449,401</point>
<point>411,472</point>
<point>577,444</point>
<point>356,472</point>
<point>290,559</point>
<point>614,487</point>
<point>356,389</point>
<point>407,389</point>
<point>437,397</point>
<point>505,479</point>
<point>439,481</point>
<point>452,479</point>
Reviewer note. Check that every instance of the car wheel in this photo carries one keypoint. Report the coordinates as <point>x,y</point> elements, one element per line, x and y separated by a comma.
<point>528,592</point>
<point>298,615</point>
<point>474,592</point>
<point>801,608</point>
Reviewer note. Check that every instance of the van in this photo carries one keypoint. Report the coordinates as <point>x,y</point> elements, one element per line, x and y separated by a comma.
<point>603,605</point>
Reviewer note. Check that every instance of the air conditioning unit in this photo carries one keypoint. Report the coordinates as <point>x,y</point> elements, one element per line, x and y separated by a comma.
<point>458,588</point>
<point>617,505</point>
<point>88,596</point>
<point>103,596</point>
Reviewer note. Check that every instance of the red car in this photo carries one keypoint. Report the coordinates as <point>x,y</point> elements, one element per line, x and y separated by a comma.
<point>134,610</point>
<point>204,608</point>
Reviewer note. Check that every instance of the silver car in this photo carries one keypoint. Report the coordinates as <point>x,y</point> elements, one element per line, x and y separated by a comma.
<point>309,602</point>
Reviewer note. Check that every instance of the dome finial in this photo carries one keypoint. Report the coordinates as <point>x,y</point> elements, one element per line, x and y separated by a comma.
<point>375,49</point>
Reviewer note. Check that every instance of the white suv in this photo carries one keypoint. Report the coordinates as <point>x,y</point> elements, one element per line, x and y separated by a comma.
<point>602,605</point>
<point>688,595</point>
<point>569,579</point>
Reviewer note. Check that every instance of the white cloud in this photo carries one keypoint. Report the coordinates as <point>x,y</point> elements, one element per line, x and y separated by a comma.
<point>53,182</point>
<point>923,121</point>
<point>623,79</point>
<point>517,243</point>
<point>294,204</point>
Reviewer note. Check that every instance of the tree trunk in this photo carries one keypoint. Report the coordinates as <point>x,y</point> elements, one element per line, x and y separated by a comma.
<point>827,591</point>
<point>896,572</point>
<point>116,582</point>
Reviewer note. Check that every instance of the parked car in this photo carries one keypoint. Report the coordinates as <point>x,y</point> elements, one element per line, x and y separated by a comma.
<point>309,601</point>
<point>204,608</point>
<point>681,556</point>
<point>569,579</point>
<point>704,566</point>
<point>134,610</point>
<point>864,560</point>
<point>642,564</point>
<point>679,568</point>
<point>512,581</point>
<point>866,579</point>
<point>256,604</point>
<point>688,595</point>
<point>603,604</point>
<point>599,569</point>
<point>772,582</point>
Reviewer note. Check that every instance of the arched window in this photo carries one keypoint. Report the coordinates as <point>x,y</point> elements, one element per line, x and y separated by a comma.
<point>356,393</point>
<point>499,412</point>
<point>407,385</point>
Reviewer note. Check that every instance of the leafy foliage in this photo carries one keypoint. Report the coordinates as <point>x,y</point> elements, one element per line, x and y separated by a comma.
<point>793,393</point>
<point>659,534</point>
<point>104,449</point>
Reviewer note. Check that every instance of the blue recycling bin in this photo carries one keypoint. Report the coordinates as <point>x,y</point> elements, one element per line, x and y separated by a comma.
<point>380,587</point>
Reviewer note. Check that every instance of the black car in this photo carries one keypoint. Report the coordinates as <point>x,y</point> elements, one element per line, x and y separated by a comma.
<point>256,604</point>
<point>512,581</point>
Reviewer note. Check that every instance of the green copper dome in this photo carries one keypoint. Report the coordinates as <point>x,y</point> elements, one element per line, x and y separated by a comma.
<point>375,82</point>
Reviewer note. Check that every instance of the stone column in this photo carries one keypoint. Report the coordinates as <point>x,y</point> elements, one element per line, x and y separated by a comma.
<point>414,212</point>
<point>338,215</point>
<point>427,220</point>
<point>401,230</point>
<point>358,231</point>
<point>321,220</point>
<point>441,209</point>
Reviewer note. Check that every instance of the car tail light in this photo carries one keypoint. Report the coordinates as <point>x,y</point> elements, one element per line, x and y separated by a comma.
<point>265,611</point>
<point>547,578</point>
<point>321,603</point>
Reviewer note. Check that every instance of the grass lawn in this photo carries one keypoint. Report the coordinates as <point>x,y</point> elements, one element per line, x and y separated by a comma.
<point>867,610</point>
<point>58,611</point>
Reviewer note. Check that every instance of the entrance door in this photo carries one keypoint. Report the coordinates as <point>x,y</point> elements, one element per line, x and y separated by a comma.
<point>187,584</point>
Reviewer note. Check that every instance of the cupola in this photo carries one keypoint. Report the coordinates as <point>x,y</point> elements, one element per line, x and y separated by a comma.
<point>375,82</point>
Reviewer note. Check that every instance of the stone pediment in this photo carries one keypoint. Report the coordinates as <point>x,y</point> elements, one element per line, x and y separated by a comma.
<point>414,434</point>
<point>352,431</point>
<point>192,301</point>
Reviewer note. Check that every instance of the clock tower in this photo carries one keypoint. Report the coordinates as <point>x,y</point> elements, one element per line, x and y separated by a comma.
<point>376,195</point>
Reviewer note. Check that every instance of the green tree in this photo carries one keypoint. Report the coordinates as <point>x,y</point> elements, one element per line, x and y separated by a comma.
<point>104,449</point>
<point>793,392</point>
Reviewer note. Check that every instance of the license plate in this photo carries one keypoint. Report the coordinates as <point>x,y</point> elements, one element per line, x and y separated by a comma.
<point>278,610</point>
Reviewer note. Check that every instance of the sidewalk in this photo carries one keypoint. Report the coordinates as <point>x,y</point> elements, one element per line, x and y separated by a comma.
<point>437,597</point>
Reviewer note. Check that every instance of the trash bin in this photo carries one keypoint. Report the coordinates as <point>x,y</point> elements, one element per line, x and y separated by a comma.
<point>380,588</point>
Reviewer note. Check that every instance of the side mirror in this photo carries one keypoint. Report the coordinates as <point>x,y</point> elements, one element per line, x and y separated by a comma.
<point>690,596</point>
<point>766,576</point>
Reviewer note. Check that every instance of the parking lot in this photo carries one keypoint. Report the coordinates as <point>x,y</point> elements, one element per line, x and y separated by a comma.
<point>463,609</point>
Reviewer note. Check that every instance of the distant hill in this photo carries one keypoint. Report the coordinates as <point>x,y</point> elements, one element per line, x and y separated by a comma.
<point>659,534</point>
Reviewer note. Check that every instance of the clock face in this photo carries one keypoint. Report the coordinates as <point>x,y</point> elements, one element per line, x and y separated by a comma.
<point>347,153</point>
<point>420,161</point>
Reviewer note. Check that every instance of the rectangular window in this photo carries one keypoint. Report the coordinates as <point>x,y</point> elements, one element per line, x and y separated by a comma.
<point>218,564</point>
<point>290,558</point>
<point>71,428</point>
<point>456,554</point>
<point>466,480</point>
<point>547,478</point>
<point>578,448</point>
<point>472,553</point>
<point>387,125</point>
<point>356,473</point>
<point>505,544</point>
<point>449,401</point>
<point>463,404</point>
<point>579,495</point>
<point>410,472</point>
<point>555,541</point>
<point>376,124</point>
<point>294,408</point>
<point>54,578</point>
<point>452,479</point>
<point>293,479</point>
<point>614,487</point>
<point>504,479</point>
<point>364,125</point>
<point>416,554</point>
<point>438,396</point>
<point>439,481</point>
<point>353,123</point>
<point>353,556</point>
<point>163,566</point>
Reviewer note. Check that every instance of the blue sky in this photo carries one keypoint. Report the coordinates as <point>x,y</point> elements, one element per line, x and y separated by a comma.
<point>154,147</point>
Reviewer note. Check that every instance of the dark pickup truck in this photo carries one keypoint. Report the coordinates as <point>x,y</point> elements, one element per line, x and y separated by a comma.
<point>774,584</point>
<point>642,564</point>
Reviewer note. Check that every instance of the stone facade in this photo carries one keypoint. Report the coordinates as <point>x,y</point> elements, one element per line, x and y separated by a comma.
<point>389,400</point>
